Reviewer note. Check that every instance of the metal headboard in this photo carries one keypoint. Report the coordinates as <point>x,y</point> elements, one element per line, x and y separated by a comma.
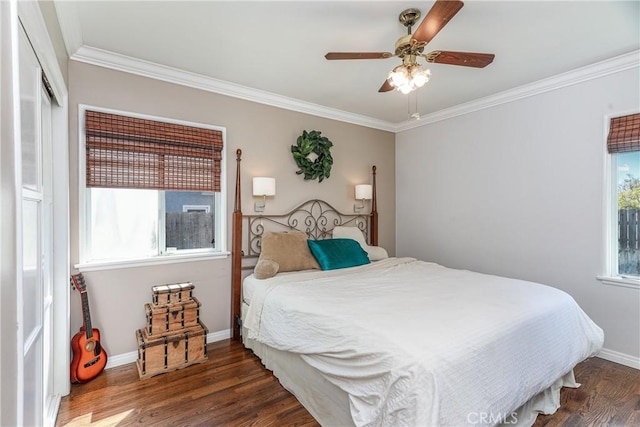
<point>315,217</point>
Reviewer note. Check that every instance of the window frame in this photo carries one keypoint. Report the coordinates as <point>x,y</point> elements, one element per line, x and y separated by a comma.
<point>611,275</point>
<point>162,257</point>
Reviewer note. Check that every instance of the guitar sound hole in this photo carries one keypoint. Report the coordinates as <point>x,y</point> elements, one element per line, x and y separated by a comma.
<point>89,346</point>
<point>91,363</point>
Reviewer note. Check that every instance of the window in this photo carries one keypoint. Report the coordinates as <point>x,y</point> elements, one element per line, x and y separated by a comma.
<point>627,199</point>
<point>623,145</point>
<point>152,187</point>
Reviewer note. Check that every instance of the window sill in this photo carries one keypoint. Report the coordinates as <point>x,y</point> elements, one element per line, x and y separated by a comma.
<point>620,281</point>
<point>147,262</point>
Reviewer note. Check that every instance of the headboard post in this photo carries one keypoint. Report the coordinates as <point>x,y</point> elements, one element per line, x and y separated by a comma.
<point>236,255</point>
<point>374,212</point>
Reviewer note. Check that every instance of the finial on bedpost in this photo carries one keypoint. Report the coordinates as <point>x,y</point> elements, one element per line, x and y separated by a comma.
<point>237,207</point>
<point>236,255</point>
<point>374,211</point>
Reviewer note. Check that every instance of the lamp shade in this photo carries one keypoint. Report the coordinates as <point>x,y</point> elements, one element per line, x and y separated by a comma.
<point>363,192</point>
<point>264,186</point>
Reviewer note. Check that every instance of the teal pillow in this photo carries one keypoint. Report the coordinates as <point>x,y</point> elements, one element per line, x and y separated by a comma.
<point>332,254</point>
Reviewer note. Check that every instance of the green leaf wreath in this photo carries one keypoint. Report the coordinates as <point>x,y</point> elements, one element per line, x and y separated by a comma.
<point>313,143</point>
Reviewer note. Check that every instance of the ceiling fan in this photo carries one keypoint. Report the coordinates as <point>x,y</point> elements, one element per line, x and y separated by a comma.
<point>410,75</point>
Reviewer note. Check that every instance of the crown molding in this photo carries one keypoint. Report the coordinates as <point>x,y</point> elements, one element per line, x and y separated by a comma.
<point>579,75</point>
<point>106,59</point>
<point>127,64</point>
<point>69,22</point>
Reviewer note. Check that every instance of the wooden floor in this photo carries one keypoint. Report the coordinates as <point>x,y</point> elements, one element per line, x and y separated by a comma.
<point>233,389</point>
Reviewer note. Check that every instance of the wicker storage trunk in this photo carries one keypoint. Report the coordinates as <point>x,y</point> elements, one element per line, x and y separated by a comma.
<point>171,317</point>
<point>171,351</point>
<point>172,294</point>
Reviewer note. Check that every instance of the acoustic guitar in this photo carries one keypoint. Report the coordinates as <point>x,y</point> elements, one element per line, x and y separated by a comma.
<point>89,357</point>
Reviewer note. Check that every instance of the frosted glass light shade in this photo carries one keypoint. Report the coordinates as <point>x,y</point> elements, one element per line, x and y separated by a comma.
<point>407,78</point>
<point>363,192</point>
<point>264,186</point>
<point>419,76</point>
<point>399,76</point>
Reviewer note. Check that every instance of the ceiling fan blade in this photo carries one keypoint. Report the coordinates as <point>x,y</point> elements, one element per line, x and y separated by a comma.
<point>358,55</point>
<point>465,59</point>
<point>439,15</point>
<point>386,87</point>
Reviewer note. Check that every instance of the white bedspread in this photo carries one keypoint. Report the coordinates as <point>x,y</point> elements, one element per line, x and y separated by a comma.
<point>418,344</point>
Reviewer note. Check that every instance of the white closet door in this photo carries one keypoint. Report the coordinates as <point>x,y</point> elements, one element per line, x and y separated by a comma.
<point>34,291</point>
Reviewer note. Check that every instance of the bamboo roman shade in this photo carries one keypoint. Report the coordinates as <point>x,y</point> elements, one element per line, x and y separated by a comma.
<point>624,134</point>
<point>128,152</point>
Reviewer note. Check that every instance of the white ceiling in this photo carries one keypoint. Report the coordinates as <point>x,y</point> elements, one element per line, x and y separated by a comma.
<point>279,47</point>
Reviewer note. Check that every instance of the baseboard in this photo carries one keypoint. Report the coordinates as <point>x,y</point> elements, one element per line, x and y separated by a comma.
<point>124,358</point>
<point>621,358</point>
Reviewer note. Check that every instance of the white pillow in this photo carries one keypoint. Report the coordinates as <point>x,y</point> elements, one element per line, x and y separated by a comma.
<point>375,253</point>
<point>350,233</point>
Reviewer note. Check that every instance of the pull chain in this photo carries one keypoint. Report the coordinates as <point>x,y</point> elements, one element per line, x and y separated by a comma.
<point>412,106</point>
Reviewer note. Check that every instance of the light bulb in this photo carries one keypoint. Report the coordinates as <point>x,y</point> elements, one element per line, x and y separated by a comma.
<point>419,76</point>
<point>399,76</point>
<point>405,89</point>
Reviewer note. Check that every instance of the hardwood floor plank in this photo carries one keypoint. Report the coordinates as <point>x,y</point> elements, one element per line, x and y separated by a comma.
<point>232,388</point>
<point>609,396</point>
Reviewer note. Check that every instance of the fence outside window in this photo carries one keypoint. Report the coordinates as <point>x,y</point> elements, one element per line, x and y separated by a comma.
<point>189,230</point>
<point>628,245</point>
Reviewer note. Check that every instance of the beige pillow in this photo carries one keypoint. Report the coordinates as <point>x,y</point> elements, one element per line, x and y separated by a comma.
<point>265,269</point>
<point>375,253</point>
<point>289,250</point>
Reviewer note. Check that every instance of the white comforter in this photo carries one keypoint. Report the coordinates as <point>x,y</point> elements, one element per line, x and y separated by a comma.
<point>418,344</point>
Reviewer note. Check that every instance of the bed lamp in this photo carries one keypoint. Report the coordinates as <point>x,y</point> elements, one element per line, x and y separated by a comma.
<point>263,186</point>
<point>363,192</point>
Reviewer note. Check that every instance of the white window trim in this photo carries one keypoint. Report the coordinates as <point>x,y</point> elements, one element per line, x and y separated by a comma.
<point>169,258</point>
<point>164,258</point>
<point>162,225</point>
<point>625,282</point>
<point>611,276</point>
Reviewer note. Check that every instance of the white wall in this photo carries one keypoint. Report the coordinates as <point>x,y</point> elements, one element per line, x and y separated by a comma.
<point>517,190</point>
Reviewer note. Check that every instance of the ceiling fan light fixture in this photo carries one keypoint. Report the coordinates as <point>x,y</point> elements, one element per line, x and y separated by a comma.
<point>419,76</point>
<point>399,76</point>
<point>407,78</point>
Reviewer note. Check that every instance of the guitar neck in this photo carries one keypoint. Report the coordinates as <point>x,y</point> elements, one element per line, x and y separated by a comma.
<point>86,314</point>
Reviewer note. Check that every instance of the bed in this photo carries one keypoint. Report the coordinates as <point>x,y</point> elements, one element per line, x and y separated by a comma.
<point>401,341</point>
